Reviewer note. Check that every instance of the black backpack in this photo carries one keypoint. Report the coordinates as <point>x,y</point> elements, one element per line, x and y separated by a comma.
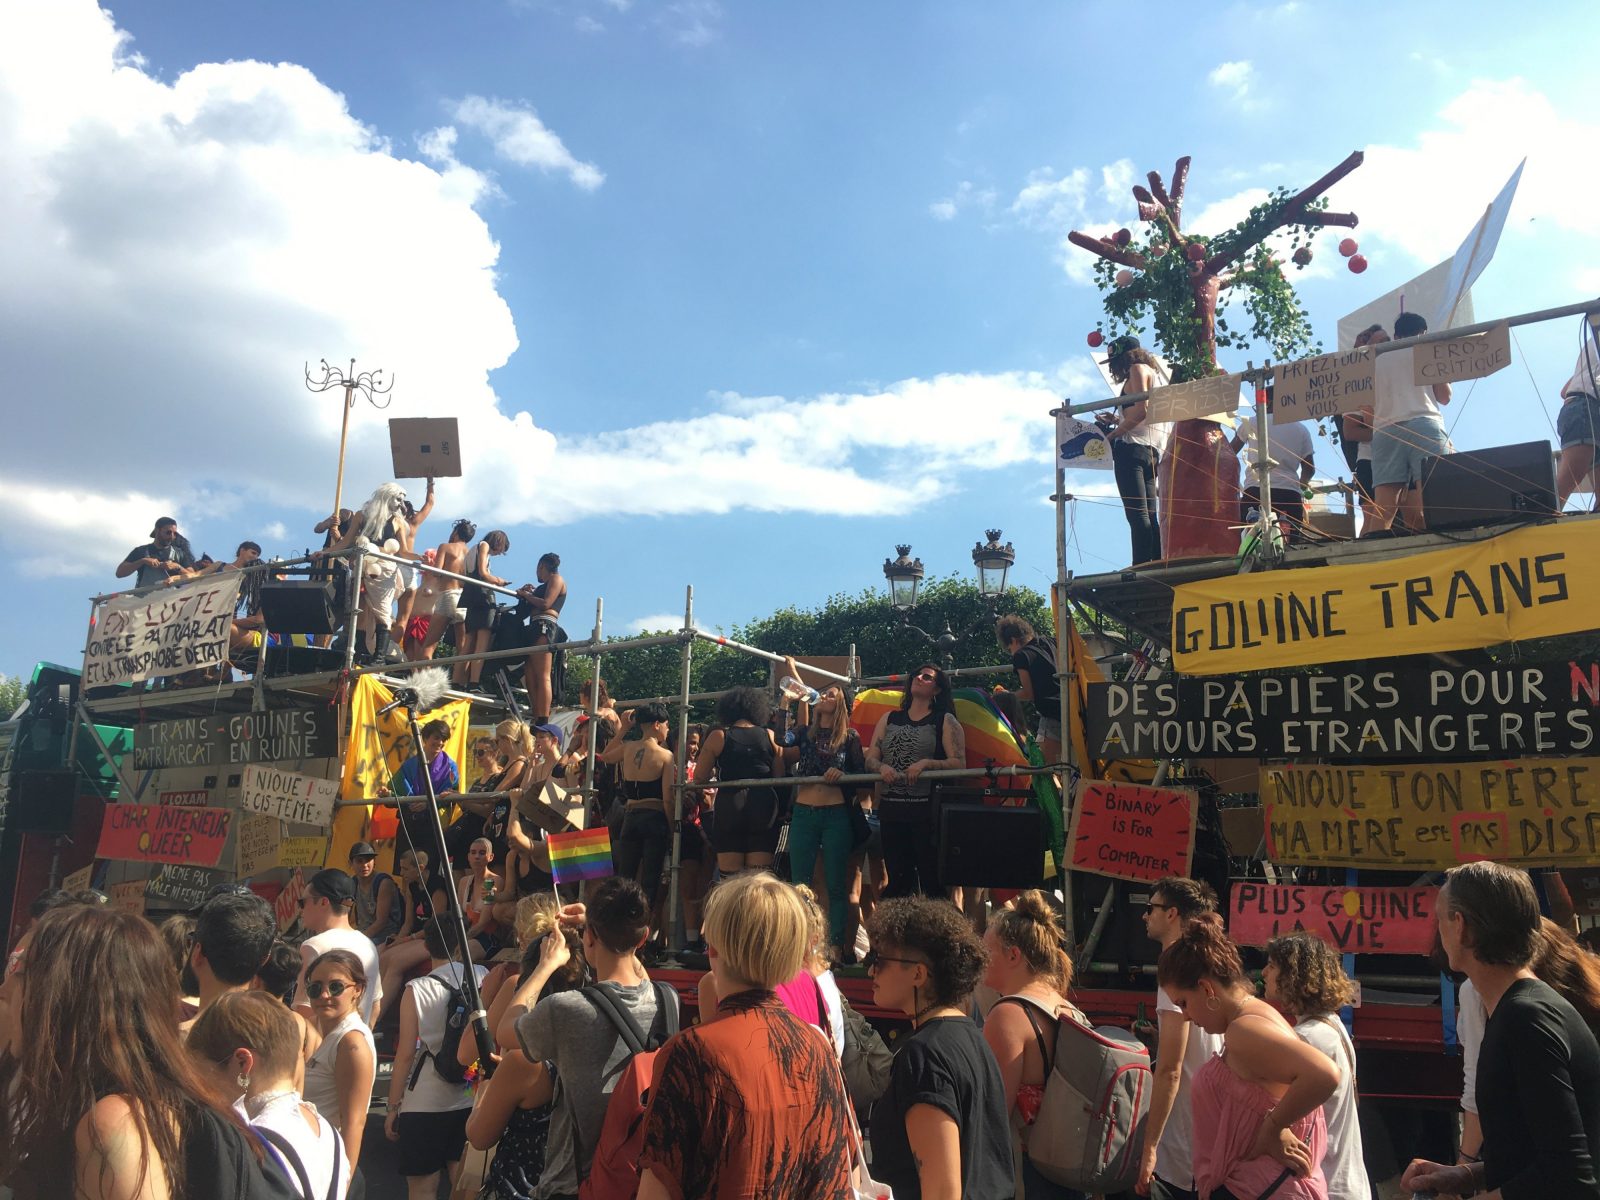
<point>445,1063</point>
<point>221,1165</point>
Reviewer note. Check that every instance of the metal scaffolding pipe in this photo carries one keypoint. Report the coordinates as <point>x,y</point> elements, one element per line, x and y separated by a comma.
<point>681,766</point>
<point>758,652</point>
<point>869,777</point>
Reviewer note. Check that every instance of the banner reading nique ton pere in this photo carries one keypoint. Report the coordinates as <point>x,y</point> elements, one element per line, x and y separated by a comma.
<point>1526,812</point>
<point>1530,583</point>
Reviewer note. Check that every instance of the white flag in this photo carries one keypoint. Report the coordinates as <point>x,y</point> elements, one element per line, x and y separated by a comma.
<point>1081,444</point>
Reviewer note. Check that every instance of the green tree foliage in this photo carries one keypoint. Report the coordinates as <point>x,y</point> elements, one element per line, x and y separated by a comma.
<point>13,690</point>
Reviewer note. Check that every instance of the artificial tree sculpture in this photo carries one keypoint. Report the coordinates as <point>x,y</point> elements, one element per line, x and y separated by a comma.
<point>1178,282</point>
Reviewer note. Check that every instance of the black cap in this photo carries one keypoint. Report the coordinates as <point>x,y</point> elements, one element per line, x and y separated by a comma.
<point>362,850</point>
<point>333,884</point>
<point>1121,345</point>
<point>160,521</point>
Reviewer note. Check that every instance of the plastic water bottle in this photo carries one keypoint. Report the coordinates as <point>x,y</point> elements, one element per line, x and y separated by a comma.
<point>1247,535</point>
<point>793,689</point>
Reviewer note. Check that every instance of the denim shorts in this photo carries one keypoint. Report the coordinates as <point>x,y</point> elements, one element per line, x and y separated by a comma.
<point>1578,421</point>
<point>1049,729</point>
<point>1398,450</point>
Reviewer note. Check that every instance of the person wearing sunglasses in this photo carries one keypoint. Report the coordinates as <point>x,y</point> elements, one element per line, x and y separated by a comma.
<point>340,1074</point>
<point>941,1129</point>
<point>326,910</point>
<point>922,735</point>
<point>250,1044</point>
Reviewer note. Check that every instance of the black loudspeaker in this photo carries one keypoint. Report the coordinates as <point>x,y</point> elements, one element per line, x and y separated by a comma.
<point>1123,942</point>
<point>1484,487</point>
<point>42,802</point>
<point>302,660</point>
<point>297,606</point>
<point>984,845</point>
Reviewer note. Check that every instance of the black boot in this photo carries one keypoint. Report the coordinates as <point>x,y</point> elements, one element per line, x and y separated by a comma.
<point>381,654</point>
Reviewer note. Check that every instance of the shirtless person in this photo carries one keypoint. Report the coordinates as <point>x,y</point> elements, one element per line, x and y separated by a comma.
<point>447,610</point>
<point>408,574</point>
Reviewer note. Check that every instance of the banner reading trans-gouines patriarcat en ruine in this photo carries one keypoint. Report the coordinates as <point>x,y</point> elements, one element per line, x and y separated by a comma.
<point>1526,584</point>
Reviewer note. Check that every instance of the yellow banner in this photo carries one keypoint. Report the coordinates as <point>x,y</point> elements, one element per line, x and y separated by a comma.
<point>379,746</point>
<point>1525,584</point>
<point>1527,812</point>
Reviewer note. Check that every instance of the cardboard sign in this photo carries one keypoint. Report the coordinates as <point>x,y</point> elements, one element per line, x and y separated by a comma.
<point>164,632</point>
<point>156,833</point>
<point>181,887</point>
<point>1309,389</point>
<point>288,796</point>
<point>1462,358</point>
<point>193,798</point>
<point>233,739</point>
<point>552,808</point>
<point>129,897</point>
<point>1528,812</point>
<point>78,881</point>
<point>256,847</point>
<point>1353,920</point>
<point>424,446</point>
<point>1365,711</point>
<point>1530,583</point>
<point>1081,445</point>
<point>1195,399</point>
<point>302,852</point>
<point>287,905</point>
<point>1130,832</point>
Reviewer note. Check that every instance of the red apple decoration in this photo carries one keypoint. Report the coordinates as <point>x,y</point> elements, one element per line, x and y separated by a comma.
<point>1358,263</point>
<point>1347,247</point>
<point>1124,277</point>
<point>1302,256</point>
<point>1157,249</point>
<point>1095,338</point>
<point>1122,237</point>
<point>1195,253</point>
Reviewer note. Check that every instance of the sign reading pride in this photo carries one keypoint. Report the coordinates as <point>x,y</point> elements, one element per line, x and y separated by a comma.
<point>288,796</point>
<point>164,632</point>
<point>1364,711</point>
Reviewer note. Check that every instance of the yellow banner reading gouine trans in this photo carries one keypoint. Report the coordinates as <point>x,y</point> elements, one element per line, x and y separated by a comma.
<point>1530,583</point>
<point>1528,812</point>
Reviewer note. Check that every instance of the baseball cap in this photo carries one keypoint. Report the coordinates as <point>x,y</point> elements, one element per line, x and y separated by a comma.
<point>1122,345</point>
<point>160,521</point>
<point>551,731</point>
<point>362,850</point>
<point>334,885</point>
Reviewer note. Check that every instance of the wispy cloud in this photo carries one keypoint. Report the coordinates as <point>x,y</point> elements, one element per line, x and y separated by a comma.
<point>967,195</point>
<point>520,137</point>
<point>1236,80</point>
<point>655,623</point>
<point>692,22</point>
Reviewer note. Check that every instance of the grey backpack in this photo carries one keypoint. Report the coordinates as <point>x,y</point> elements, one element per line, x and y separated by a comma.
<point>1090,1127</point>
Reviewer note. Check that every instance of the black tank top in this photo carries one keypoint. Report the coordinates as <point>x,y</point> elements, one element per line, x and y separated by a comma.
<point>561,600</point>
<point>746,753</point>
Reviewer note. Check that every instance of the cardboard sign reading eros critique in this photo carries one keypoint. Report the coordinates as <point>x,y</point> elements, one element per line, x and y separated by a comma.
<point>1353,920</point>
<point>163,833</point>
<point>1527,812</point>
<point>1310,388</point>
<point>288,796</point>
<point>1131,832</point>
<point>165,632</point>
<point>1461,358</point>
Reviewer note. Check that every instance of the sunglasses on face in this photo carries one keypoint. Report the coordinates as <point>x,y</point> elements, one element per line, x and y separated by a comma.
<point>927,677</point>
<point>316,989</point>
<point>873,960</point>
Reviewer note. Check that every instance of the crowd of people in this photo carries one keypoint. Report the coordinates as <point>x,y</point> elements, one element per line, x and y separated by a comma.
<point>1384,444</point>
<point>201,1063</point>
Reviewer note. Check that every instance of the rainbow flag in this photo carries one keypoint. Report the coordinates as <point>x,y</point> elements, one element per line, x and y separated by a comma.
<point>989,738</point>
<point>582,855</point>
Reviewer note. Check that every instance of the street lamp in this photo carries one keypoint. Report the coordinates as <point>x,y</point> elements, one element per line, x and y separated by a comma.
<point>904,575</point>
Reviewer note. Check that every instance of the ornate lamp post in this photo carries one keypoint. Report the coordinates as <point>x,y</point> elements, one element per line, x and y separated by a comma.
<point>904,575</point>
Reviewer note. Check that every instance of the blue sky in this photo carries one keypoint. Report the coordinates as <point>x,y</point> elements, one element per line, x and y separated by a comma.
<point>731,294</point>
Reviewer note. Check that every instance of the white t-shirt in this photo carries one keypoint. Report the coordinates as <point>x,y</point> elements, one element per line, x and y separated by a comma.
<point>1175,1154</point>
<point>1342,1163</point>
<point>431,998</point>
<point>1471,1017</point>
<point>1397,397</point>
<point>1586,375</point>
<point>317,1152</point>
<point>358,944</point>
<point>834,1003</point>
<point>1154,434</point>
<point>320,1088</point>
<point>1287,445</point>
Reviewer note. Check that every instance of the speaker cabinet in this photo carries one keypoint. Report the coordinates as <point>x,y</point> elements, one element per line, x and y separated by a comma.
<point>983,845</point>
<point>42,802</point>
<point>1484,487</point>
<point>297,606</point>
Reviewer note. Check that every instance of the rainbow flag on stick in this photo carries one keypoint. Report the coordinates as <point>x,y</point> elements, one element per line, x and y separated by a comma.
<point>582,855</point>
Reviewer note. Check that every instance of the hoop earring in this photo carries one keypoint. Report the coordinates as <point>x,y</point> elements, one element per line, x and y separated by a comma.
<point>242,1080</point>
<point>1211,1003</point>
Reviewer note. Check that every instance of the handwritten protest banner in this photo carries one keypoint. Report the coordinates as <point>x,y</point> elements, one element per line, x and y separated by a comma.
<point>1353,920</point>
<point>302,851</point>
<point>128,897</point>
<point>1365,710</point>
<point>288,796</point>
<point>380,743</point>
<point>1530,583</point>
<point>181,887</point>
<point>287,905</point>
<point>1197,398</point>
<point>1311,388</point>
<point>79,880</point>
<point>233,739</point>
<point>1461,358</point>
<point>1131,832</point>
<point>165,632</point>
<point>1527,812</point>
<point>256,846</point>
<point>163,833</point>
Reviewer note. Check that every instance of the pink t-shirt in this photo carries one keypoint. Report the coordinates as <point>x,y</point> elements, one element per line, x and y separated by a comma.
<point>801,997</point>
<point>1227,1115</point>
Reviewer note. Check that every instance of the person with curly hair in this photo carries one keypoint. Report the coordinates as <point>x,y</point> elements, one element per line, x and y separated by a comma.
<point>1257,1106</point>
<point>1306,981</point>
<point>941,1128</point>
<point>1031,971</point>
<point>744,829</point>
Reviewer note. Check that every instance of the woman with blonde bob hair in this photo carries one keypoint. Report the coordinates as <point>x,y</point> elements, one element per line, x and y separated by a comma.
<point>751,1104</point>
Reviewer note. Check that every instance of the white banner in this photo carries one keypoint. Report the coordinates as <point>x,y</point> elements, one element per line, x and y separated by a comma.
<point>287,795</point>
<point>1081,444</point>
<point>165,632</point>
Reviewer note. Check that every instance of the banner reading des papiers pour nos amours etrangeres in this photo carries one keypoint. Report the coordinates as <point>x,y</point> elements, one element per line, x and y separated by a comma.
<point>1529,583</point>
